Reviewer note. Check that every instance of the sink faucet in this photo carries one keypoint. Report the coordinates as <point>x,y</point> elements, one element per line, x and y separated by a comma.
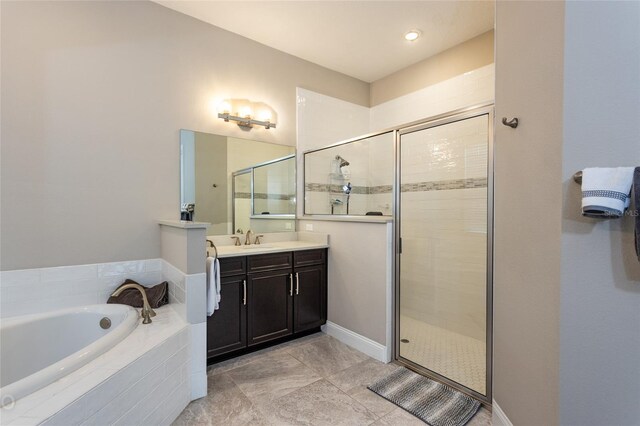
<point>146,312</point>
<point>247,239</point>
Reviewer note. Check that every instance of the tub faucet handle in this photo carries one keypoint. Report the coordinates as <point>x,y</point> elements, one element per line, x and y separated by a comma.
<point>147,313</point>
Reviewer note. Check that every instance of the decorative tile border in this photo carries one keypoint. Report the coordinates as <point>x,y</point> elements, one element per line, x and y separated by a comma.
<point>407,187</point>
<point>444,185</point>
<point>263,196</point>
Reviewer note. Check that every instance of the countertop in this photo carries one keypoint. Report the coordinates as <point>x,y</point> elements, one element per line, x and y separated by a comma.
<point>275,247</point>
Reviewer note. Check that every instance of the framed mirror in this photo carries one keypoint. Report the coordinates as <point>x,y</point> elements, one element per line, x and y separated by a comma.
<point>237,184</point>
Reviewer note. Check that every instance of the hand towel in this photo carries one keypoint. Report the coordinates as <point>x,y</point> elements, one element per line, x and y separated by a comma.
<point>157,296</point>
<point>213,285</point>
<point>636,202</point>
<point>605,191</point>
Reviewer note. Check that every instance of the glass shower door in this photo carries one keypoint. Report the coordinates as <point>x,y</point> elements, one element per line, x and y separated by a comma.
<point>443,223</point>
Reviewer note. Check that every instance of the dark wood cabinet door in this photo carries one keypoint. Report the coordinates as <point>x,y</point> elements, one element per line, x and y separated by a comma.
<point>227,327</point>
<point>270,309</point>
<point>310,297</point>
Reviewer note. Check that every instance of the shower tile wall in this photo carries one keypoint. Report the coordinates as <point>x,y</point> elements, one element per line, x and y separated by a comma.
<point>471,88</point>
<point>370,174</point>
<point>444,229</point>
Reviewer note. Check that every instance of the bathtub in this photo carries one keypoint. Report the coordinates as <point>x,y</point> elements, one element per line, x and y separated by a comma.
<point>39,349</point>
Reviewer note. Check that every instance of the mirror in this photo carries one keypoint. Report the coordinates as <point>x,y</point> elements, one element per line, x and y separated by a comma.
<point>228,180</point>
<point>353,178</point>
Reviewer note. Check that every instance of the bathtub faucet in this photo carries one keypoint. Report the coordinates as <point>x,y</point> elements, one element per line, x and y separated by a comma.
<point>146,312</point>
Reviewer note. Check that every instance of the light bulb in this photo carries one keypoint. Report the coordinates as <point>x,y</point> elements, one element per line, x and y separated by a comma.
<point>412,35</point>
<point>245,111</point>
<point>224,108</point>
<point>265,115</point>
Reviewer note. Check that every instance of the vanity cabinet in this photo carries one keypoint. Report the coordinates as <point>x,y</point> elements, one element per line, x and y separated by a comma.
<point>266,298</point>
<point>270,306</point>
<point>228,326</point>
<point>310,297</point>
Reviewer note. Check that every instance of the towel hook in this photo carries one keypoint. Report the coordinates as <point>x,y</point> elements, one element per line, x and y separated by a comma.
<point>577,177</point>
<point>513,123</point>
<point>215,249</point>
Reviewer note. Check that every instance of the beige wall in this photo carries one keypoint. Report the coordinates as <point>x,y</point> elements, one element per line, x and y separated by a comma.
<point>600,296</point>
<point>93,97</point>
<point>528,203</point>
<point>467,56</point>
<point>358,270</point>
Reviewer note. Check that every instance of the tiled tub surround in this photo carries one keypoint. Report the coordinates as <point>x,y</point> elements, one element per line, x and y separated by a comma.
<point>142,380</point>
<point>28,291</point>
<point>187,295</point>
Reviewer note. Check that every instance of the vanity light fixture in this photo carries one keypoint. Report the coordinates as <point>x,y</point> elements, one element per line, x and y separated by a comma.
<point>412,35</point>
<point>244,116</point>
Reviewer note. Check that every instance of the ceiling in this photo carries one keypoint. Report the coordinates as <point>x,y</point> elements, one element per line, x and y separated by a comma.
<point>363,39</point>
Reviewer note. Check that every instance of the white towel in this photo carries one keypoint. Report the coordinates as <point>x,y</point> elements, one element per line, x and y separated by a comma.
<point>605,191</point>
<point>213,285</point>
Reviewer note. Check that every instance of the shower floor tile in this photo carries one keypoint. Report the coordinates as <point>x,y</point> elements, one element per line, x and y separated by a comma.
<point>460,358</point>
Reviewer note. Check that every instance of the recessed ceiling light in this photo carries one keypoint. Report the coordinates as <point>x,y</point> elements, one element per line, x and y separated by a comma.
<point>412,35</point>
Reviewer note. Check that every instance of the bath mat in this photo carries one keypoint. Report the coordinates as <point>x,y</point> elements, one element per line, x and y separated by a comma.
<point>428,400</point>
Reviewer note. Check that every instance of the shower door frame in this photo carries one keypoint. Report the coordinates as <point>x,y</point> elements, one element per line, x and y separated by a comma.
<point>440,120</point>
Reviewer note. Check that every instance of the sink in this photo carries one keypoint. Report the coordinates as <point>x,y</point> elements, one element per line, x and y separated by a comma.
<point>256,246</point>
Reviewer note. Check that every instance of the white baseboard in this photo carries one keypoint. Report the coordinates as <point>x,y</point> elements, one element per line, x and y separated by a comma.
<point>498,417</point>
<point>363,344</point>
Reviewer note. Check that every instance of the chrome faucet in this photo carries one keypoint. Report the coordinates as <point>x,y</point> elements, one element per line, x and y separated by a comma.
<point>247,238</point>
<point>146,312</point>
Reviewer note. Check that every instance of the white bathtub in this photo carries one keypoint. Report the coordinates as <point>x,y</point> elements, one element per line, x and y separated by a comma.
<point>39,349</point>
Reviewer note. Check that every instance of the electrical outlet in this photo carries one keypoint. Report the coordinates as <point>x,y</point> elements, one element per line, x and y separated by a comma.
<point>288,225</point>
<point>308,227</point>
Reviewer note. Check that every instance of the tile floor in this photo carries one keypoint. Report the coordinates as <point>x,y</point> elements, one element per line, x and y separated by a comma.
<point>460,358</point>
<point>315,380</point>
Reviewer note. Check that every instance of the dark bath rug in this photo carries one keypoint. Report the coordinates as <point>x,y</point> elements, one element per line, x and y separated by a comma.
<point>428,400</point>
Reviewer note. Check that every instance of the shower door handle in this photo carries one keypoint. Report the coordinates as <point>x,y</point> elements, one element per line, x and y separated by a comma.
<point>297,283</point>
<point>290,284</point>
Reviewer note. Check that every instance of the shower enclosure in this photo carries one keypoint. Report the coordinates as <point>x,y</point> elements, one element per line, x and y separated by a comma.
<point>444,235</point>
<point>439,193</point>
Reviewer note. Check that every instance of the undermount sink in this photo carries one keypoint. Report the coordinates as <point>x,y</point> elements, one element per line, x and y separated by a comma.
<point>256,246</point>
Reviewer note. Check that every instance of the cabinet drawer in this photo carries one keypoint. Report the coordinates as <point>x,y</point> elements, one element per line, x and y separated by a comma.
<point>309,257</point>
<point>269,262</point>
<point>230,266</point>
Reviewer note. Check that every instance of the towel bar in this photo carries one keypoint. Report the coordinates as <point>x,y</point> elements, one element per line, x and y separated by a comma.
<point>577,177</point>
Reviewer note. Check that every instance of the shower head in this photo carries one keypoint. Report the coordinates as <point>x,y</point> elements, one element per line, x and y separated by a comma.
<point>342,161</point>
